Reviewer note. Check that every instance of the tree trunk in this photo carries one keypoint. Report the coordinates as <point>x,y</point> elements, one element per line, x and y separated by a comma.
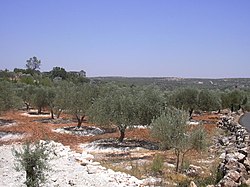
<point>39,110</point>
<point>79,120</point>
<point>177,153</point>
<point>52,113</point>
<point>30,176</point>
<point>190,113</point>
<point>59,113</point>
<point>239,107</point>
<point>122,135</point>
<point>182,159</point>
<point>27,106</point>
<point>232,107</point>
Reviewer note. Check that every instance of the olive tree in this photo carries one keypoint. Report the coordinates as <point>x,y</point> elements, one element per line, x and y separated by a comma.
<point>50,99</point>
<point>39,98</point>
<point>25,92</point>
<point>63,97</point>
<point>208,100</point>
<point>58,72</point>
<point>151,103</point>
<point>233,99</point>
<point>185,99</point>
<point>171,129</point>
<point>33,159</point>
<point>246,104</point>
<point>79,100</point>
<point>117,106</point>
<point>8,96</point>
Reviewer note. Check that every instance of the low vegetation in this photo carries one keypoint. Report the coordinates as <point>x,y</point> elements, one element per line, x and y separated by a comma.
<point>172,131</point>
<point>33,159</point>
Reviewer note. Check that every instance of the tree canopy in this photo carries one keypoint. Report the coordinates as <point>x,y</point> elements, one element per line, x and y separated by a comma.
<point>185,99</point>
<point>33,63</point>
<point>118,107</point>
<point>8,96</point>
<point>78,100</point>
<point>171,129</point>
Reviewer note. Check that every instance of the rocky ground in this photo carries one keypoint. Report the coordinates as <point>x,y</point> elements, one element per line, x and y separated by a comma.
<point>72,165</point>
<point>81,154</point>
<point>68,169</point>
<point>235,161</point>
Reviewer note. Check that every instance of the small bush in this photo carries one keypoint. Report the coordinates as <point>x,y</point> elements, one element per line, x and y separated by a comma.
<point>185,165</point>
<point>33,159</point>
<point>135,169</point>
<point>157,164</point>
<point>219,175</point>
<point>214,178</point>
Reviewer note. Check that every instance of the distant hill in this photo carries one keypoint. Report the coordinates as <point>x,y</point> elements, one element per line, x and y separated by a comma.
<point>175,82</point>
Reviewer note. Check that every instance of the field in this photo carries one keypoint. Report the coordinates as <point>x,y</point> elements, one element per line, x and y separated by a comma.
<point>135,156</point>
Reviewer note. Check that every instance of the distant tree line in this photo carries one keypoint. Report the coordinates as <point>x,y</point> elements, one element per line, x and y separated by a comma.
<point>62,91</point>
<point>118,105</point>
<point>109,103</point>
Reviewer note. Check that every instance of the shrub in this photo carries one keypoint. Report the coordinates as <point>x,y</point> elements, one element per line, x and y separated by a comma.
<point>33,159</point>
<point>157,164</point>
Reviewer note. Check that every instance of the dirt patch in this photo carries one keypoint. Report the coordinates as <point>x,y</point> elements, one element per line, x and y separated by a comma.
<point>114,145</point>
<point>35,114</point>
<point>8,136</point>
<point>6,122</point>
<point>56,121</point>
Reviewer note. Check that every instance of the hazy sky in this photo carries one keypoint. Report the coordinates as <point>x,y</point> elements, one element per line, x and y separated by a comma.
<point>182,38</point>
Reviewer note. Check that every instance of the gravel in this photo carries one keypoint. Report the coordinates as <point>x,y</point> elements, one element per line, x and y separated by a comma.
<point>6,136</point>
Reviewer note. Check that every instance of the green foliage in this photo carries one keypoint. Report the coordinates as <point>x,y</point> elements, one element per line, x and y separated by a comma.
<point>151,103</point>
<point>6,75</point>
<point>19,71</point>
<point>76,78</point>
<point>215,176</point>
<point>246,103</point>
<point>50,99</point>
<point>63,96</point>
<point>33,64</point>
<point>33,159</point>
<point>173,83</point>
<point>45,81</point>
<point>186,99</point>
<point>157,164</point>
<point>58,72</point>
<point>171,129</point>
<point>198,138</point>
<point>117,106</point>
<point>208,101</point>
<point>76,99</point>
<point>218,176</point>
<point>8,96</point>
<point>234,99</point>
<point>39,98</point>
<point>27,79</point>
<point>25,92</point>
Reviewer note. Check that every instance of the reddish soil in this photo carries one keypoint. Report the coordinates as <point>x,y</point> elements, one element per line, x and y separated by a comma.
<point>37,130</point>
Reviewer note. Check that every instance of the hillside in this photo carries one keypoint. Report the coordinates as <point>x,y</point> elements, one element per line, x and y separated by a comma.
<point>175,82</point>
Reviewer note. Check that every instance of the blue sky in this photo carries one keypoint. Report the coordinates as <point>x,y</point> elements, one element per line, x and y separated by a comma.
<point>180,38</point>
